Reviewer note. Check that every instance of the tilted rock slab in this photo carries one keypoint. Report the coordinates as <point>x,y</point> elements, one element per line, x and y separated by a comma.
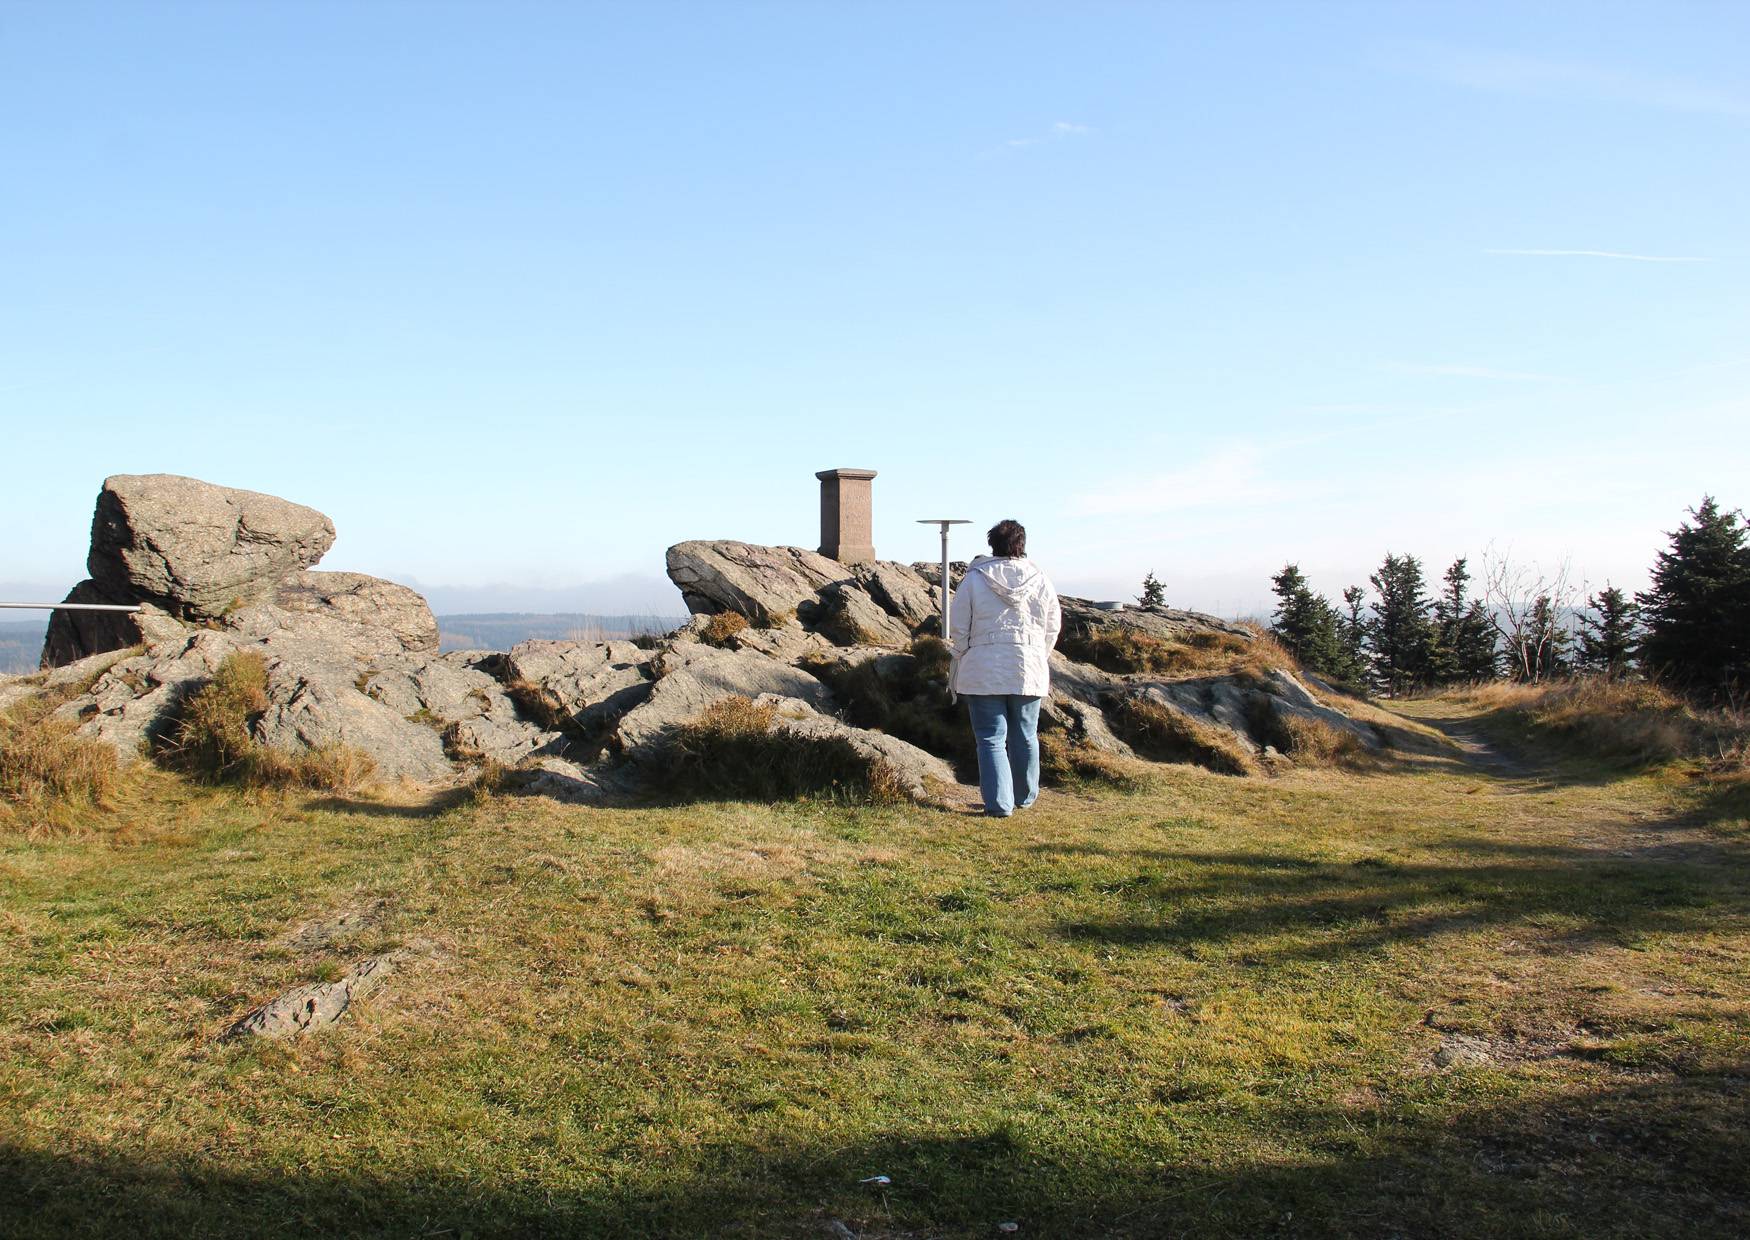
<point>765,584</point>
<point>196,549</point>
<point>307,1008</point>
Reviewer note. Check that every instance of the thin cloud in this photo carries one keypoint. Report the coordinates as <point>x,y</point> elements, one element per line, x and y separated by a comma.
<point>1457,370</point>
<point>1222,479</point>
<point>1519,74</point>
<point>1057,133</point>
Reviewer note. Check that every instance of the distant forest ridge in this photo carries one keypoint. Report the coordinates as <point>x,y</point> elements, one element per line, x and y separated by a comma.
<point>21,641</point>
<point>21,644</point>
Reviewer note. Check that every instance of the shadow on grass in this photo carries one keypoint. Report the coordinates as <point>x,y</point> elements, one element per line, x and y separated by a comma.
<point>1328,909</point>
<point>1646,1158</point>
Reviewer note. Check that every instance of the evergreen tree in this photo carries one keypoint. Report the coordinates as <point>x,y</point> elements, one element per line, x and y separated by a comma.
<point>1400,636</point>
<point>1154,592</point>
<point>1303,622</point>
<point>1608,634</point>
<point>1313,630</point>
<point>1698,612</point>
<point>1352,633</point>
<point>1450,615</point>
<point>1476,657</point>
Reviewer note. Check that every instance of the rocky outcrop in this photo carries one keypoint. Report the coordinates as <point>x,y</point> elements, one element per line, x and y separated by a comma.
<point>195,549</point>
<point>351,661</point>
<point>1082,616</point>
<point>692,676</point>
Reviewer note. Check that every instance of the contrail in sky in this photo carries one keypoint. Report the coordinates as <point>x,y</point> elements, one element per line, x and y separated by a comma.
<point>1633,258</point>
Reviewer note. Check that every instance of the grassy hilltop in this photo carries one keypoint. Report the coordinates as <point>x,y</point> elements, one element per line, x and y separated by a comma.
<point>1497,992</point>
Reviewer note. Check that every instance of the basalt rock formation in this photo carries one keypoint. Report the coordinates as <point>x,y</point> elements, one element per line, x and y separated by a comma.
<point>842,653</point>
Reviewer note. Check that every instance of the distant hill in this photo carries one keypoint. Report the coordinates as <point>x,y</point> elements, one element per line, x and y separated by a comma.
<point>21,644</point>
<point>502,630</point>
<point>21,641</point>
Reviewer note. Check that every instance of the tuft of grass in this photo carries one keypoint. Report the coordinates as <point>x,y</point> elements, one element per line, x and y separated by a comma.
<point>1063,761</point>
<point>720,629</point>
<point>1309,741</point>
<point>1167,734</point>
<point>213,738</point>
<point>738,750</point>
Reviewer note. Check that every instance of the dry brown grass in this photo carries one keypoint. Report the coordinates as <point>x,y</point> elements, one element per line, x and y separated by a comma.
<point>738,750</point>
<point>1322,744</point>
<point>49,777</point>
<point>1632,721</point>
<point>1166,734</point>
<point>721,628</point>
<point>214,741</point>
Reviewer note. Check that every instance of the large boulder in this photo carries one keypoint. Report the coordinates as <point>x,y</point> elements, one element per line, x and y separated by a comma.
<point>901,592</point>
<point>766,584</point>
<point>196,549</point>
<point>1081,615</point>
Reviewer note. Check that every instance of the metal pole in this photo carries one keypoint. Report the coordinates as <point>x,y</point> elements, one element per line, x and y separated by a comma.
<point>947,587</point>
<point>73,606</point>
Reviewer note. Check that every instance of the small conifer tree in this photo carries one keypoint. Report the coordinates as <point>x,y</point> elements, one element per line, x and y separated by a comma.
<point>1609,632</point>
<point>1154,592</point>
<point>1401,638</point>
<point>1697,613</point>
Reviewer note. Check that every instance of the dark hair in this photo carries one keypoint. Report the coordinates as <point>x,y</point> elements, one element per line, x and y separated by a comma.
<point>1008,538</point>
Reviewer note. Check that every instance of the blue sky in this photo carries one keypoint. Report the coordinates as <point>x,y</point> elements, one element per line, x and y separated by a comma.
<point>522,293</point>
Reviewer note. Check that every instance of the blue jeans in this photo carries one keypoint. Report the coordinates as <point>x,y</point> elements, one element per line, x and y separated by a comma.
<point>1006,728</point>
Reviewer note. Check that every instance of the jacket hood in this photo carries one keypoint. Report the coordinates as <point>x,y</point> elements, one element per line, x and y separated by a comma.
<point>1014,580</point>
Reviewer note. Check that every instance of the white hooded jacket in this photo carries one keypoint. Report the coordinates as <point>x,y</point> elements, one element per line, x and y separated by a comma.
<point>1003,624</point>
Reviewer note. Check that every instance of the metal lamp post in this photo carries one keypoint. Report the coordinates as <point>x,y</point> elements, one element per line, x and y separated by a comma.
<point>947,589</point>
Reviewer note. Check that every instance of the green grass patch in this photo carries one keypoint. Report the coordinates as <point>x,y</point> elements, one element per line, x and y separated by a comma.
<point>1430,1000</point>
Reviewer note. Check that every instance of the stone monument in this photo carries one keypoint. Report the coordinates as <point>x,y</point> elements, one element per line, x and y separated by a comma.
<point>846,522</point>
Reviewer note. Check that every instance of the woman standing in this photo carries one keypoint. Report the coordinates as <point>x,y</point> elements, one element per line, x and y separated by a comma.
<point>1003,625</point>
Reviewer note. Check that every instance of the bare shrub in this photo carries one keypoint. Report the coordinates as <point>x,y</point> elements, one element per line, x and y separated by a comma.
<point>1166,734</point>
<point>721,628</point>
<point>738,749</point>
